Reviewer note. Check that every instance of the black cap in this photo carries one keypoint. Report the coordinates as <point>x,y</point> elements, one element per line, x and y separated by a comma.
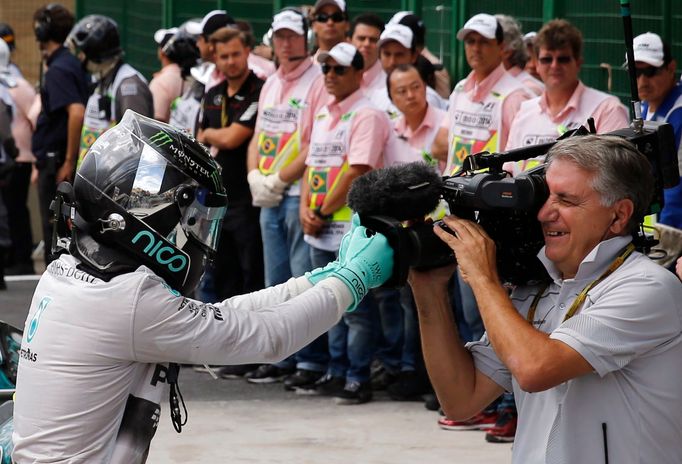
<point>215,20</point>
<point>7,34</point>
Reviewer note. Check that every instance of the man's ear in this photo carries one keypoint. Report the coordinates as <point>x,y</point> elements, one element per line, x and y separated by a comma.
<point>623,210</point>
<point>672,66</point>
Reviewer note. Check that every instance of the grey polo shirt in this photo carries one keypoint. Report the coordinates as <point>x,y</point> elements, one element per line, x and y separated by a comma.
<point>629,330</point>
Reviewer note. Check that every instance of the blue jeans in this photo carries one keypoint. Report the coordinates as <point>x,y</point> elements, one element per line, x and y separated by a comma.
<point>390,328</point>
<point>351,340</point>
<point>411,341</point>
<point>287,255</point>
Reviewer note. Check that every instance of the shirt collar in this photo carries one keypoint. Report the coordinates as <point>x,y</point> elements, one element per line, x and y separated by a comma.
<point>245,87</point>
<point>594,264</point>
<point>401,127</point>
<point>667,104</point>
<point>59,51</point>
<point>296,72</point>
<point>337,109</point>
<point>571,105</point>
<point>479,90</point>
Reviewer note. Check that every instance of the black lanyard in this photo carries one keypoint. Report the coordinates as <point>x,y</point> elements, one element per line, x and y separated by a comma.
<point>578,302</point>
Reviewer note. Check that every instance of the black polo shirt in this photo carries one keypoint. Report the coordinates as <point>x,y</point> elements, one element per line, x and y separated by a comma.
<point>65,82</point>
<point>220,110</point>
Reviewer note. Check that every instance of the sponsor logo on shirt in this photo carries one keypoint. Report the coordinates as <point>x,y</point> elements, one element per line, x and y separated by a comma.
<point>35,321</point>
<point>200,309</point>
<point>128,90</point>
<point>473,119</point>
<point>28,355</point>
<point>58,269</point>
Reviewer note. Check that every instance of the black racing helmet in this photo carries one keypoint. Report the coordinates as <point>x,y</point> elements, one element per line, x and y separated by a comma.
<point>97,37</point>
<point>148,194</point>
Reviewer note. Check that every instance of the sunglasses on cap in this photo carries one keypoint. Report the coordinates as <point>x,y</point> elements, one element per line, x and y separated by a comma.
<point>562,59</point>
<point>649,71</point>
<point>338,69</point>
<point>336,17</point>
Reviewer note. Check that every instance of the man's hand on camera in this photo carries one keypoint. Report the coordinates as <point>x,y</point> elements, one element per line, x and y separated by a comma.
<point>474,249</point>
<point>367,264</point>
<point>262,196</point>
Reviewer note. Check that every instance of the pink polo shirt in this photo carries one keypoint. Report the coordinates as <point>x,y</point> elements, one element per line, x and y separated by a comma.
<point>534,85</point>
<point>534,124</point>
<point>418,141</point>
<point>23,96</point>
<point>368,132</point>
<point>477,92</point>
<point>373,78</point>
<point>165,86</point>
<point>286,83</point>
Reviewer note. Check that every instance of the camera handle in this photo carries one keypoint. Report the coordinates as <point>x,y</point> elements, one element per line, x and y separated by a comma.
<point>635,103</point>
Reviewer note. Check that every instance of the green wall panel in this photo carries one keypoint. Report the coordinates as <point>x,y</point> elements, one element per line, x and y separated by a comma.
<point>599,20</point>
<point>257,12</point>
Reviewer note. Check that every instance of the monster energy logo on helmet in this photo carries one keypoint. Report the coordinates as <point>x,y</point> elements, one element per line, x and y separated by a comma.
<point>160,139</point>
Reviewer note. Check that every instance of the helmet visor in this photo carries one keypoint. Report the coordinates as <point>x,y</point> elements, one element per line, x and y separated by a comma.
<point>203,221</point>
<point>201,212</point>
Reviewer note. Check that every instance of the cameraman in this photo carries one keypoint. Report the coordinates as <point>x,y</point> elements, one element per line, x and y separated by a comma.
<point>596,373</point>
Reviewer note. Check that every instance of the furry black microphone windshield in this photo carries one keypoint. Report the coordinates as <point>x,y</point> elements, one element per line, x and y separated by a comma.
<point>404,192</point>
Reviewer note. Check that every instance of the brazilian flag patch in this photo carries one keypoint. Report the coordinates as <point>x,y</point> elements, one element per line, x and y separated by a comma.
<point>318,182</point>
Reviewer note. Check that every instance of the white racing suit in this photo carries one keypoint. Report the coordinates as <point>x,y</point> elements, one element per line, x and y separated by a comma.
<point>93,350</point>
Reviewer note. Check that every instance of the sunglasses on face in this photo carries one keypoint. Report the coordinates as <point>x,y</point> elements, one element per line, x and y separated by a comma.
<point>338,69</point>
<point>547,60</point>
<point>649,71</point>
<point>336,17</point>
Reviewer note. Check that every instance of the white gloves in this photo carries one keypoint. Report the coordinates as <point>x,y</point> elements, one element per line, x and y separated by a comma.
<point>263,196</point>
<point>275,184</point>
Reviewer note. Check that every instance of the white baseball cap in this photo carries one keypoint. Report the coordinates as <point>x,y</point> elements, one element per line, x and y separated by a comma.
<point>215,20</point>
<point>192,26</point>
<point>288,19</point>
<point>395,19</point>
<point>162,36</point>
<point>340,4</point>
<point>648,48</point>
<point>398,32</point>
<point>343,53</point>
<point>483,23</point>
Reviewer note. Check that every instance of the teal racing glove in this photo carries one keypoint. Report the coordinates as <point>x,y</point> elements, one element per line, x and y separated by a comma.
<point>321,273</point>
<point>367,263</point>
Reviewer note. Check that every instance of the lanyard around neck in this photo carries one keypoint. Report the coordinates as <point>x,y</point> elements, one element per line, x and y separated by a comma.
<point>578,302</point>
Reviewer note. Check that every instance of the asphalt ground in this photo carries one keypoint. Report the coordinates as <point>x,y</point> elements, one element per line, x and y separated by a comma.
<point>238,422</point>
